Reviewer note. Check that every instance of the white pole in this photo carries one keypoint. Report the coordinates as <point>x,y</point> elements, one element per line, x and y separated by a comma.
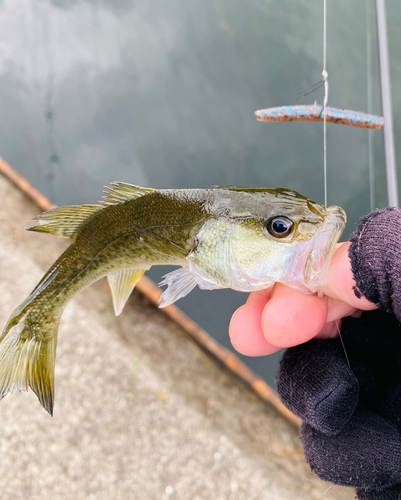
<point>389,150</point>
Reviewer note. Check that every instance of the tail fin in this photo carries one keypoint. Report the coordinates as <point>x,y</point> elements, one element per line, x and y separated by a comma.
<point>27,358</point>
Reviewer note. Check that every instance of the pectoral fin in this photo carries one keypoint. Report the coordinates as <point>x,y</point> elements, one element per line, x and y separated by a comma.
<point>121,284</point>
<point>179,283</point>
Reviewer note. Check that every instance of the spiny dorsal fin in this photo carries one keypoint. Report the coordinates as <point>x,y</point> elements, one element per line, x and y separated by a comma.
<point>64,221</point>
<point>121,284</point>
<point>120,192</point>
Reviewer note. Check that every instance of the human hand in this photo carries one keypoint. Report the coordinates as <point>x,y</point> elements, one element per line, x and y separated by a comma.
<point>351,414</point>
<point>282,317</point>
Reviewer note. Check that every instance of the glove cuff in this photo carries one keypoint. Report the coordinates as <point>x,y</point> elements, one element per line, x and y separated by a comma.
<point>375,254</point>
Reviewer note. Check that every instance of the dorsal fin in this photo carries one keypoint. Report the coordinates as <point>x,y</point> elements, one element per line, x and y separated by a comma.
<point>120,192</point>
<point>64,221</point>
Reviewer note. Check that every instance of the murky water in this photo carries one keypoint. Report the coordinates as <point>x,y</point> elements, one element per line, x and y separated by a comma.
<point>162,93</point>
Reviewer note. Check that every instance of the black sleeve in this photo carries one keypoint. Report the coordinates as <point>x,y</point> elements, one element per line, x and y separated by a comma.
<point>375,255</point>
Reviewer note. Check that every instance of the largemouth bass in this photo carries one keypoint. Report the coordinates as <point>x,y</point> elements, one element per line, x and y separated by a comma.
<point>240,238</point>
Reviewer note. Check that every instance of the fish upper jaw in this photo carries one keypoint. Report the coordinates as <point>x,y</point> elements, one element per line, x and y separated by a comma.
<point>309,263</point>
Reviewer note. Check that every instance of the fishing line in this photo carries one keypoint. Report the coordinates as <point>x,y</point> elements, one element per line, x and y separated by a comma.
<point>325,491</point>
<point>303,93</point>
<point>369,98</point>
<point>342,342</point>
<point>326,98</point>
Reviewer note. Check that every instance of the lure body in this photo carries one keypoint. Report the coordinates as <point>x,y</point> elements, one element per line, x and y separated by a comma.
<point>222,237</point>
<point>315,113</point>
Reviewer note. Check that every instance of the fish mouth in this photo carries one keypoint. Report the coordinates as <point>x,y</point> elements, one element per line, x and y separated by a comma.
<point>319,258</point>
<point>312,259</point>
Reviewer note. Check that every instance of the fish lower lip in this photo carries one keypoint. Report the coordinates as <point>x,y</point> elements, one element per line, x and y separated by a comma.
<point>319,257</point>
<point>308,264</point>
<point>318,261</point>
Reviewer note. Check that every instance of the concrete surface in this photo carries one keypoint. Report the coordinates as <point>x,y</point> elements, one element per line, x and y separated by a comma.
<point>141,412</point>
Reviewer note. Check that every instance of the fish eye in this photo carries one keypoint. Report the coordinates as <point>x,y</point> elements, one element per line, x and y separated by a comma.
<point>279,227</point>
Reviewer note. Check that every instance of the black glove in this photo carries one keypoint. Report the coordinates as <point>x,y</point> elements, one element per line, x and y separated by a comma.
<point>351,416</point>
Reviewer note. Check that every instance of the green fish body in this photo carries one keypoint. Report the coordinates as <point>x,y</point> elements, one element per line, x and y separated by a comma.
<point>240,238</point>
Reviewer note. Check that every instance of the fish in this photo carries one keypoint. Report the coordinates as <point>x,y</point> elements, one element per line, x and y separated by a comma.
<point>221,237</point>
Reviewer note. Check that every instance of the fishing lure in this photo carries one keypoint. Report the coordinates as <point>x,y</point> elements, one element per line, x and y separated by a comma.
<point>315,113</point>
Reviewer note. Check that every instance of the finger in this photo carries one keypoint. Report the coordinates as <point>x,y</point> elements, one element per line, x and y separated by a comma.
<point>259,296</point>
<point>245,328</point>
<point>290,318</point>
<point>338,309</point>
<point>340,280</point>
<point>330,330</point>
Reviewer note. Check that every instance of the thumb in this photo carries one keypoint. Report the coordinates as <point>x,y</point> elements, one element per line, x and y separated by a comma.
<point>341,282</point>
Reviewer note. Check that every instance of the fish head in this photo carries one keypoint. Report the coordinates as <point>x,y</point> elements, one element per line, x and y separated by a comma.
<point>267,236</point>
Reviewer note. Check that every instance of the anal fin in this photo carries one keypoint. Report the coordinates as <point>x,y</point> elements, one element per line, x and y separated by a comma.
<point>121,284</point>
<point>179,283</point>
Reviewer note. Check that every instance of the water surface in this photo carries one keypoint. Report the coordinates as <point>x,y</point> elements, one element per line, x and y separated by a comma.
<point>162,93</point>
